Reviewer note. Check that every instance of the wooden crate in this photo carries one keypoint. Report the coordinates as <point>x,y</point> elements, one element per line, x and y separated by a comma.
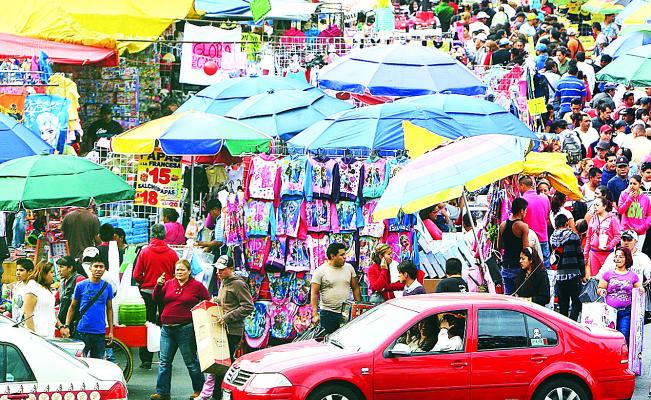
<point>9,274</point>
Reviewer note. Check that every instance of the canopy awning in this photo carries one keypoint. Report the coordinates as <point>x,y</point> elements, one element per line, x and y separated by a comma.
<point>280,9</point>
<point>60,53</point>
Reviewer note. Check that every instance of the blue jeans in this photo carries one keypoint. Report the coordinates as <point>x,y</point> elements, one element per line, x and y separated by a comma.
<point>94,344</point>
<point>546,254</point>
<point>508,279</point>
<point>624,322</point>
<point>173,338</point>
<point>19,230</point>
<point>330,321</point>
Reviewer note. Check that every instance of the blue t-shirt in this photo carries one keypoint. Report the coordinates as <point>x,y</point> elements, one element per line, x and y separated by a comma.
<point>569,87</point>
<point>94,320</point>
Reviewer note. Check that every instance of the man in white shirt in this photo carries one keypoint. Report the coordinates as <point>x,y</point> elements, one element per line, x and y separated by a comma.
<point>529,27</point>
<point>586,132</point>
<point>587,69</point>
<point>641,262</point>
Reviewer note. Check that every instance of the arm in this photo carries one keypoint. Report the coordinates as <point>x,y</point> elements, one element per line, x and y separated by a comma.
<point>354,284</point>
<point>314,296</point>
<point>625,200</point>
<point>572,226</point>
<point>615,231</point>
<point>377,280</point>
<point>524,231</point>
<point>109,317</point>
<point>138,270</point>
<point>28,310</point>
<point>542,294</point>
<point>65,332</point>
<point>244,308</point>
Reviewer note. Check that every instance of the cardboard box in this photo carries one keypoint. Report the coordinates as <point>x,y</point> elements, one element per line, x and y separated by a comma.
<point>212,342</point>
<point>431,284</point>
<point>9,274</point>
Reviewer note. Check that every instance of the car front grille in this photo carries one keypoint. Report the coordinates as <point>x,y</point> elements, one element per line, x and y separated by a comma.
<point>238,377</point>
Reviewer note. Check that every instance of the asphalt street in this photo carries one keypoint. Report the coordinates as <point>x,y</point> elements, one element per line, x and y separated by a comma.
<point>143,383</point>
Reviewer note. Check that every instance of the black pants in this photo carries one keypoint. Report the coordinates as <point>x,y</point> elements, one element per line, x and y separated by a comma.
<point>233,344</point>
<point>153,315</point>
<point>569,291</point>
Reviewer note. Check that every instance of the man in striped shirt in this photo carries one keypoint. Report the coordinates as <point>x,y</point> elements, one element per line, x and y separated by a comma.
<point>568,88</point>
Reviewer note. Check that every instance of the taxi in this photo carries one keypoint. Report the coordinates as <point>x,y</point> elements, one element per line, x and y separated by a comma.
<point>33,368</point>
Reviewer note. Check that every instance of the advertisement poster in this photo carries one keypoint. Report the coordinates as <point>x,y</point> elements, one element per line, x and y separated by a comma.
<point>47,115</point>
<point>158,182</point>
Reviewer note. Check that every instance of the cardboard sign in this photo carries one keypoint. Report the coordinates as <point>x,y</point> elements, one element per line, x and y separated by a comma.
<point>537,106</point>
<point>212,341</point>
<point>158,182</point>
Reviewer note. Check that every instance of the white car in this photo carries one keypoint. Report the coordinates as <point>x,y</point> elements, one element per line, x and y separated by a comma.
<point>32,368</point>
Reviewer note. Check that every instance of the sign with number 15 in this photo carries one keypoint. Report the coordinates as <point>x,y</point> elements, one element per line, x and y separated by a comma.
<point>158,182</point>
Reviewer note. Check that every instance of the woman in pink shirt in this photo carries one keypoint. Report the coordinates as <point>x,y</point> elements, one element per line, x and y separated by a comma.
<point>174,231</point>
<point>635,209</point>
<point>602,237</point>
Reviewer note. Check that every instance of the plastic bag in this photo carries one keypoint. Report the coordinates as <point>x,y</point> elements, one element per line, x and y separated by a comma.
<point>589,291</point>
<point>311,333</point>
<point>153,337</point>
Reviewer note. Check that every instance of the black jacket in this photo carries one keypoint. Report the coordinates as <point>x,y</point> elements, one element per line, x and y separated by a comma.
<point>535,286</point>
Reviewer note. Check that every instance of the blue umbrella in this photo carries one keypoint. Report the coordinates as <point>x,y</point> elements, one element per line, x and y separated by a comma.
<point>219,98</point>
<point>380,127</point>
<point>16,141</point>
<point>284,113</point>
<point>477,116</point>
<point>400,70</point>
<point>629,10</point>
<point>623,44</point>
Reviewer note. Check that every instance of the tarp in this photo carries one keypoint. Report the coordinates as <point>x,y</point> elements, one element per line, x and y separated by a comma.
<point>61,53</point>
<point>560,175</point>
<point>101,23</point>
<point>280,9</point>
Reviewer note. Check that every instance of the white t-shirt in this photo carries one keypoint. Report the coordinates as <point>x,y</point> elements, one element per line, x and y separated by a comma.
<point>335,285</point>
<point>17,301</point>
<point>44,318</point>
<point>444,343</point>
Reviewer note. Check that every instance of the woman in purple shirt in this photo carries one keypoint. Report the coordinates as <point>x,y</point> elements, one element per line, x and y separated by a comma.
<point>617,286</point>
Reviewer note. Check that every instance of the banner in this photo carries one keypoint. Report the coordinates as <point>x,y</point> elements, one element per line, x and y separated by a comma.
<point>211,55</point>
<point>12,105</point>
<point>47,115</point>
<point>158,182</point>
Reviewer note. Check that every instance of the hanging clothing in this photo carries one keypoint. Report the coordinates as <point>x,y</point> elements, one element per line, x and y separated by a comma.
<point>321,179</point>
<point>350,241</point>
<point>320,215</point>
<point>235,177</point>
<point>370,228</point>
<point>317,243</point>
<point>401,243</point>
<point>367,246</point>
<point>349,216</point>
<point>263,179</point>
<point>200,180</point>
<point>291,219</point>
<point>292,176</point>
<point>277,255</point>
<point>350,176</point>
<point>396,164</point>
<point>258,217</point>
<point>402,223</point>
<point>255,252</point>
<point>376,177</point>
<point>298,259</point>
<point>234,220</point>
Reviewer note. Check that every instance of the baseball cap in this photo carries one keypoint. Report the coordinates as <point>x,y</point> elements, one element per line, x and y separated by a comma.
<point>482,14</point>
<point>66,261</point>
<point>620,124</point>
<point>222,262</point>
<point>571,32</point>
<point>628,94</point>
<point>621,160</point>
<point>532,16</point>
<point>605,129</point>
<point>481,36</point>
<point>629,234</point>
<point>90,254</point>
<point>504,42</point>
<point>541,47</point>
<point>603,145</point>
<point>627,111</point>
<point>610,86</point>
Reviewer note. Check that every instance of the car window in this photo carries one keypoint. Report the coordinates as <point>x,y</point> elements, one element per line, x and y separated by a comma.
<point>439,333</point>
<point>539,334</point>
<point>16,369</point>
<point>501,329</point>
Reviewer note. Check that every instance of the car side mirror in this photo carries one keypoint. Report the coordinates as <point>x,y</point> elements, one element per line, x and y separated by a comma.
<point>400,349</point>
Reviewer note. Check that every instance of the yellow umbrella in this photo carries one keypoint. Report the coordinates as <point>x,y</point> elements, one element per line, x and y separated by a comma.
<point>561,176</point>
<point>640,17</point>
<point>419,140</point>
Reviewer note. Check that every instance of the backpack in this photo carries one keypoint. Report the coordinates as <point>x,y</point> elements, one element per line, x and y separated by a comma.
<point>279,284</point>
<point>572,148</point>
<point>299,289</point>
<point>257,325</point>
<point>282,320</point>
<point>541,86</point>
<point>579,210</point>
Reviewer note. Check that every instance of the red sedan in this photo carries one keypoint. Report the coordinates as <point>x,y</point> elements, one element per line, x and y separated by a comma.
<point>444,346</point>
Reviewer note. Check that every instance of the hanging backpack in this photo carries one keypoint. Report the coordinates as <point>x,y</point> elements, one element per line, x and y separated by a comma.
<point>257,325</point>
<point>255,283</point>
<point>282,320</point>
<point>572,148</point>
<point>299,290</point>
<point>303,319</point>
<point>279,284</point>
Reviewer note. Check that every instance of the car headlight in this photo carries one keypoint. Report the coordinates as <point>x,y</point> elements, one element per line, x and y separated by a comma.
<point>269,381</point>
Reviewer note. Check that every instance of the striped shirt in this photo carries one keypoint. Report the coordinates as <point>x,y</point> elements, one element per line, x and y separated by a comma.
<point>568,88</point>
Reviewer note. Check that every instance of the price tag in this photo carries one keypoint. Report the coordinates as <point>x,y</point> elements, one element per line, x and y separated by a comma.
<point>158,181</point>
<point>537,106</point>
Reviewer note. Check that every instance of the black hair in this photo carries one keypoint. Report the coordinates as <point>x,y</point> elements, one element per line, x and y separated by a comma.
<point>638,178</point>
<point>466,220</point>
<point>610,154</point>
<point>581,226</point>
<point>106,232</point>
<point>626,153</point>
<point>550,64</point>
<point>457,325</point>
<point>640,112</point>
<point>119,232</point>
<point>558,200</point>
<point>593,172</point>
<point>560,221</point>
<point>213,204</point>
<point>453,266</point>
<point>605,192</point>
<point>518,205</point>
<point>172,215</point>
<point>573,70</point>
<point>26,263</point>
<point>597,26</point>
<point>645,165</point>
<point>409,268</point>
<point>606,58</point>
<point>333,249</point>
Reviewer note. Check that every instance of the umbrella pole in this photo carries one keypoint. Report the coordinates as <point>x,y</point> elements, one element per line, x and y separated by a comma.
<point>472,223</point>
<point>192,186</point>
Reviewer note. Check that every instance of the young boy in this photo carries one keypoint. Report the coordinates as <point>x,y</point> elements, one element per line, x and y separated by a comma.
<point>570,267</point>
<point>24,267</point>
<point>407,274</point>
<point>453,281</point>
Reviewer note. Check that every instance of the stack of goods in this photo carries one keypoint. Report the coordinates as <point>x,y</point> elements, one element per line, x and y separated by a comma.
<point>286,213</point>
<point>147,64</point>
<point>136,229</point>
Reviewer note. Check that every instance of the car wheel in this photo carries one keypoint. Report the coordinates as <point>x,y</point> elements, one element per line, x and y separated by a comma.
<point>334,392</point>
<point>561,389</point>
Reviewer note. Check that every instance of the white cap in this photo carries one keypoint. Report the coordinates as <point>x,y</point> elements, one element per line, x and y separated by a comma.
<point>571,32</point>
<point>481,36</point>
<point>482,14</point>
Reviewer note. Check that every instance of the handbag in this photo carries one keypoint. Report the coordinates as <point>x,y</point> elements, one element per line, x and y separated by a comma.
<point>312,333</point>
<point>589,292</point>
<point>73,327</point>
<point>376,298</point>
<point>599,314</point>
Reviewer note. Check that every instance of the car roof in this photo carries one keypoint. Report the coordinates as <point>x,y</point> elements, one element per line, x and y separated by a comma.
<point>424,302</point>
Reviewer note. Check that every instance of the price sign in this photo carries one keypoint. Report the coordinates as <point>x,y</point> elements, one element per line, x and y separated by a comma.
<point>158,183</point>
<point>537,106</point>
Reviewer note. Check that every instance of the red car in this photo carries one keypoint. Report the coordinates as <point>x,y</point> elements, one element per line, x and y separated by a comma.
<point>443,346</point>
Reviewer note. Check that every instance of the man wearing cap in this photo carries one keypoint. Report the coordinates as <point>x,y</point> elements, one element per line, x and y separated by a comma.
<point>605,141</point>
<point>482,23</point>
<point>154,260</point>
<point>606,97</point>
<point>529,27</point>
<point>67,268</point>
<point>619,182</point>
<point>502,55</point>
<point>600,157</point>
<point>104,127</point>
<point>620,135</point>
<point>610,27</point>
<point>641,262</point>
<point>541,56</point>
<point>573,44</point>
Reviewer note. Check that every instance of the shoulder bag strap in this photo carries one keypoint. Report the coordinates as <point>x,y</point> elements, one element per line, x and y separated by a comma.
<point>93,300</point>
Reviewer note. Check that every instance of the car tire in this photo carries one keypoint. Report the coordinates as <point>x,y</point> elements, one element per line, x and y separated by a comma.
<point>334,392</point>
<point>561,389</point>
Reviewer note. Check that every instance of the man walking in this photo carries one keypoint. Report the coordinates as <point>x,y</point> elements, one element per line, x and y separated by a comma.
<point>154,260</point>
<point>69,278</point>
<point>331,285</point>
<point>94,300</point>
<point>453,282</point>
<point>513,237</point>
<point>538,208</point>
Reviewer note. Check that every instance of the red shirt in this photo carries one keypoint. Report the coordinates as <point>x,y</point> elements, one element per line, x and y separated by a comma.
<point>380,281</point>
<point>152,261</point>
<point>178,300</point>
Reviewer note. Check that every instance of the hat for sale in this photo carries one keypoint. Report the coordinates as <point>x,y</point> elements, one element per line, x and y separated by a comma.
<point>603,145</point>
<point>629,234</point>
<point>571,32</point>
<point>541,47</point>
<point>482,14</point>
<point>621,160</point>
<point>620,124</point>
<point>504,42</point>
<point>67,261</point>
<point>222,262</point>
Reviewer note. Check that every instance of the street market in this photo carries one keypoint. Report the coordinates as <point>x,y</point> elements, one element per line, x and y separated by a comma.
<point>341,200</point>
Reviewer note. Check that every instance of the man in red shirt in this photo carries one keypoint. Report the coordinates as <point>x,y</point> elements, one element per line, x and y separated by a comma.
<point>154,260</point>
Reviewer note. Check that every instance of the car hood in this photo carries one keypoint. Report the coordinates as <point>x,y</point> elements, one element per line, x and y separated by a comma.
<point>104,370</point>
<point>292,355</point>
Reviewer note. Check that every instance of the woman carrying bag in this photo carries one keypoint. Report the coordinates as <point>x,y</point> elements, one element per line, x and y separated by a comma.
<point>602,237</point>
<point>532,283</point>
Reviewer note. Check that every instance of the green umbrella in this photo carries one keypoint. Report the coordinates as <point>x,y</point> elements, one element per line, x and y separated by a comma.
<point>58,181</point>
<point>631,69</point>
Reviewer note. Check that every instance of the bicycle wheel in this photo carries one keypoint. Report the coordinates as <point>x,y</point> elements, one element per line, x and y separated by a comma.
<point>118,353</point>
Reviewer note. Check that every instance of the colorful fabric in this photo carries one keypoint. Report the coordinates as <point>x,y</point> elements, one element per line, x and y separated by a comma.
<point>321,179</point>
<point>264,178</point>
<point>367,245</point>
<point>299,291</point>
<point>292,176</point>
<point>401,244</point>
<point>370,228</point>
<point>350,176</point>
<point>258,217</point>
<point>255,283</point>
<point>349,216</point>
<point>277,255</point>
<point>279,286</point>
<point>291,219</point>
<point>402,223</point>
<point>282,320</point>
<point>234,220</point>
<point>316,246</point>
<point>298,259</point>
<point>376,177</point>
<point>47,116</point>
<point>256,251</point>
<point>350,241</point>
<point>303,319</point>
<point>320,215</point>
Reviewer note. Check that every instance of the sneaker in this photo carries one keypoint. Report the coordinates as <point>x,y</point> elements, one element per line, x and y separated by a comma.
<point>157,396</point>
<point>145,365</point>
<point>196,396</point>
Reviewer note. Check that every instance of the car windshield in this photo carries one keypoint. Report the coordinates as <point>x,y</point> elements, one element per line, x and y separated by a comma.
<point>370,329</point>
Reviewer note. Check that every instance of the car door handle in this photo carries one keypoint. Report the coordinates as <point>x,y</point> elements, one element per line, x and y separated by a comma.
<point>459,364</point>
<point>538,358</point>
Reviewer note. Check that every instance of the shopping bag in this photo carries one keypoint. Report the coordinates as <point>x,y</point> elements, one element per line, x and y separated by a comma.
<point>599,314</point>
<point>589,291</point>
<point>311,333</point>
<point>153,337</point>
